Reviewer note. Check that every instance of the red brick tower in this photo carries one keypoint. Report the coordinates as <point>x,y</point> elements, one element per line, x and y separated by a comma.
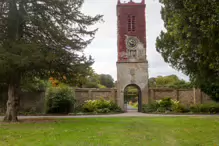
<point>132,66</point>
<point>131,22</point>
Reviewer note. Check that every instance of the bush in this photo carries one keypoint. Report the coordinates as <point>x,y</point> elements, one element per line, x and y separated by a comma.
<point>100,106</point>
<point>60,100</point>
<point>149,108</point>
<point>135,105</point>
<point>212,108</point>
<point>164,105</point>
<point>179,108</point>
<point>168,105</point>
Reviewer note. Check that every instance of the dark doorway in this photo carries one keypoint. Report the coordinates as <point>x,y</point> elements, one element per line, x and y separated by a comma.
<point>132,98</point>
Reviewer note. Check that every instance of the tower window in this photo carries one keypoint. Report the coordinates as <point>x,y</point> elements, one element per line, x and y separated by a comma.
<point>131,23</point>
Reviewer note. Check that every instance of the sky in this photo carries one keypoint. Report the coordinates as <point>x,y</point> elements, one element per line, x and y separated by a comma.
<point>104,47</point>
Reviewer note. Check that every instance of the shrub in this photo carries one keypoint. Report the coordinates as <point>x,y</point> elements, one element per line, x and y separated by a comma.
<point>60,99</point>
<point>149,108</point>
<point>164,105</point>
<point>169,105</point>
<point>179,108</point>
<point>100,106</point>
<point>135,105</point>
<point>212,108</point>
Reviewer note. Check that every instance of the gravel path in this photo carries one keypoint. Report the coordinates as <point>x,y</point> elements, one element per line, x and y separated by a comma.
<point>128,114</point>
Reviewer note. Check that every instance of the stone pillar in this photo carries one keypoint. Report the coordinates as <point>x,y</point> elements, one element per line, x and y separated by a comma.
<point>90,94</point>
<point>120,97</point>
<point>197,97</point>
<point>113,93</point>
<point>177,94</point>
<point>153,95</point>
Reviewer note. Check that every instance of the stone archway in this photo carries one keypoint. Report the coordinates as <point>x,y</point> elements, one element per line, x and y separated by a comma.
<point>132,94</point>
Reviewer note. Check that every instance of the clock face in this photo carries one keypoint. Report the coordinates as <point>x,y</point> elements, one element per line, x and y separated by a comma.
<point>132,43</point>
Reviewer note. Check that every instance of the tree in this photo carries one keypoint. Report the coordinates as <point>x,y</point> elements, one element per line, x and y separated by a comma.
<point>106,80</point>
<point>92,81</point>
<point>42,38</point>
<point>191,40</point>
<point>171,81</point>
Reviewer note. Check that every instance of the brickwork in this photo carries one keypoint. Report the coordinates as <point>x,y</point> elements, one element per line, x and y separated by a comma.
<point>35,101</point>
<point>132,65</point>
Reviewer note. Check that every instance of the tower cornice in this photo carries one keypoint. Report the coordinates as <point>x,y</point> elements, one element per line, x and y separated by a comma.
<point>131,3</point>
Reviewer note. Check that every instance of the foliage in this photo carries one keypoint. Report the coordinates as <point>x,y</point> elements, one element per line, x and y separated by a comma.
<point>34,84</point>
<point>43,39</point>
<point>99,81</point>
<point>106,80</point>
<point>133,104</point>
<point>168,105</point>
<point>60,99</point>
<point>212,108</point>
<point>150,108</point>
<point>191,40</point>
<point>164,105</point>
<point>131,94</point>
<point>100,106</point>
<point>101,86</point>
<point>88,81</point>
<point>46,41</point>
<point>171,81</point>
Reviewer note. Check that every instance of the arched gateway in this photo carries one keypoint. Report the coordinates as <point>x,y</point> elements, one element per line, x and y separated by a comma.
<point>132,65</point>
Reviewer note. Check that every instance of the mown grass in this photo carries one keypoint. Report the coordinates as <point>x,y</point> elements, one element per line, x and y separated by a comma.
<point>145,131</point>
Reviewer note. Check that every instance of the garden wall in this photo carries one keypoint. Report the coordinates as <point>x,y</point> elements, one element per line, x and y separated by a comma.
<point>92,94</point>
<point>185,96</point>
<point>35,101</point>
<point>29,102</point>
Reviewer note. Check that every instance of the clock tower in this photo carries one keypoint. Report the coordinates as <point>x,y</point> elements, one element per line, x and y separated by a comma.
<point>132,65</point>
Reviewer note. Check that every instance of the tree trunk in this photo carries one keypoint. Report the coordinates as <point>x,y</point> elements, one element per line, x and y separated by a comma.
<point>12,104</point>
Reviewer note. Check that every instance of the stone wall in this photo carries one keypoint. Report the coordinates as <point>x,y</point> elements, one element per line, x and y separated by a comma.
<point>29,102</point>
<point>91,94</point>
<point>32,101</point>
<point>185,96</point>
<point>35,101</point>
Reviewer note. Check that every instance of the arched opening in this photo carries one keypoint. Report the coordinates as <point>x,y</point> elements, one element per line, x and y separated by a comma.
<point>132,98</point>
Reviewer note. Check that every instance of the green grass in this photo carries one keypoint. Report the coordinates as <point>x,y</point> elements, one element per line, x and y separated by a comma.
<point>147,131</point>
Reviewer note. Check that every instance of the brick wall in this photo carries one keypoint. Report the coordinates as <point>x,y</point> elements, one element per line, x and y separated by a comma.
<point>185,96</point>
<point>29,101</point>
<point>92,94</point>
<point>35,101</point>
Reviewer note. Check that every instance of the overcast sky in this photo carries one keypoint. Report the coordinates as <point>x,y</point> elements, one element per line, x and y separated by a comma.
<point>104,47</point>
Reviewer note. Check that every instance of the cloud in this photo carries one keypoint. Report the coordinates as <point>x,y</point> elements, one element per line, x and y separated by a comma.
<point>104,47</point>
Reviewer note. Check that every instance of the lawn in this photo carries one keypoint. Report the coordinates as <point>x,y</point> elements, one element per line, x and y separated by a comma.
<point>147,131</point>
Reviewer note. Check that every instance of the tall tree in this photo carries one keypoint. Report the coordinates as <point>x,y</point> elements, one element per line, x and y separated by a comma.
<point>171,81</point>
<point>106,80</point>
<point>42,38</point>
<point>191,40</point>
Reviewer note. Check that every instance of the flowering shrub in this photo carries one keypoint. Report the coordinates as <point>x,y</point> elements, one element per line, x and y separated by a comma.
<point>164,105</point>
<point>100,106</point>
